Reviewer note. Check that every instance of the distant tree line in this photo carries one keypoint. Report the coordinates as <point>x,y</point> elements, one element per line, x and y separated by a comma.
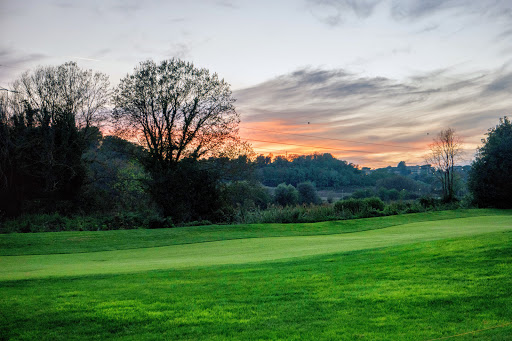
<point>324,170</point>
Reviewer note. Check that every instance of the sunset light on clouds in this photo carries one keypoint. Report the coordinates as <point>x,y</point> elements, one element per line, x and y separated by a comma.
<point>370,81</point>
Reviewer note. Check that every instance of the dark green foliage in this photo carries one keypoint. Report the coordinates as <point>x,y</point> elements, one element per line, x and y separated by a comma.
<point>45,128</point>
<point>491,173</point>
<point>400,207</point>
<point>246,194</point>
<point>402,168</point>
<point>116,180</point>
<point>388,194</point>
<point>286,195</point>
<point>374,203</point>
<point>56,222</point>
<point>350,206</point>
<point>41,165</point>
<point>400,182</point>
<point>360,207</point>
<point>363,193</point>
<point>322,169</point>
<point>429,202</point>
<point>185,191</point>
<point>308,194</point>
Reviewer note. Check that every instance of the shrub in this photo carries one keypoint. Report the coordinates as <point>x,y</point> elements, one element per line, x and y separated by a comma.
<point>293,214</point>
<point>286,195</point>
<point>363,193</point>
<point>350,206</point>
<point>375,203</point>
<point>429,202</point>
<point>307,193</point>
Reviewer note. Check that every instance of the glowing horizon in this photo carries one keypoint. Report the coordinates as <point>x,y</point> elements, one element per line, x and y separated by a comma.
<point>388,72</point>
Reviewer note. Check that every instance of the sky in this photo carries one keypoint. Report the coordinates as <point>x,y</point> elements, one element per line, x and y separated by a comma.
<point>370,81</point>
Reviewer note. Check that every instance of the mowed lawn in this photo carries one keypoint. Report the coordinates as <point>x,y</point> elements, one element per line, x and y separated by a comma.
<point>425,277</point>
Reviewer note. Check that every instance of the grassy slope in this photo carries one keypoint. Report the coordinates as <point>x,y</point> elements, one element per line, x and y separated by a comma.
<point>240,251</point>
<point>418,291</point>
<point>88,241</point>
<point>408,290</point>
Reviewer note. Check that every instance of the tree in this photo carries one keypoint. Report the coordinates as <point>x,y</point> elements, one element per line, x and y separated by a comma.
<point>286,195</point>
<point>307,193</point>
<point>491,172</point>
<point>46,128</point>
<point>176,110</point>
<point>445,151</point>
<point>180,114</point>
<point>402,168</point>
<point>64,92</point>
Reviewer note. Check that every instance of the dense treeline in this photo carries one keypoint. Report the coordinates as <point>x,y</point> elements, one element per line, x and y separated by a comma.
<point>322,169</point>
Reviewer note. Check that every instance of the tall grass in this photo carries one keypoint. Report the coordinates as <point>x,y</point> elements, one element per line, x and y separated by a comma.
<point>340,210</point>
<point>343,209</point>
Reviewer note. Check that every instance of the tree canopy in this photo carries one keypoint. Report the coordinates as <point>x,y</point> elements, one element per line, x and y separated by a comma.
<point>46,125</point>
<point>176,110</point>
<point>491,172</point>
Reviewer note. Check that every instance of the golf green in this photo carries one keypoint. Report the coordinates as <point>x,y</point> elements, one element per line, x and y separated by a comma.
<point>241,251</point>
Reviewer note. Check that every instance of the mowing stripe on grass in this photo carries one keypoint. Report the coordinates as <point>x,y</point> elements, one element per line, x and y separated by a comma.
<point>242,250</point>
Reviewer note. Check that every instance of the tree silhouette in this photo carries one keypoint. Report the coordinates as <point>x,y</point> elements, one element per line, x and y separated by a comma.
<point>444,152</point>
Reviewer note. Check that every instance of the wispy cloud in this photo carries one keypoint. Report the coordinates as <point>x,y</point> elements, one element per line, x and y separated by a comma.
<point>334,12</point>
<point>227,4</point>
<point>336,103</point>
<point>178,50</point>
<point>13,61</point>
<point>83,58</point>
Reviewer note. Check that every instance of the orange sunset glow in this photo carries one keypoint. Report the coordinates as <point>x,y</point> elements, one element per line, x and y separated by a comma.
<point>277,138</point>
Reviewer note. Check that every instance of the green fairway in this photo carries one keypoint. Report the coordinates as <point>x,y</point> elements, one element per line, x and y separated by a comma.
<point>413,280</point>
<point>241,251</point>
<point>89,241</point>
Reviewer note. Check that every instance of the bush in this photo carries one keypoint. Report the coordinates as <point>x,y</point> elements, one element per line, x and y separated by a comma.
<point>292,214</point>
<point>429,202</point>
<point>374,203</point>
<point>55,222</point>
<point>363,193</point>
<point>286,195</point>
<point>246,194</point>
<point>308,194</point>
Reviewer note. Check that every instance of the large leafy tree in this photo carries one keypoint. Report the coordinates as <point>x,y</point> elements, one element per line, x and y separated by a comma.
<point>176,110</point>
<point>180,114</point>
<point>491,172</point>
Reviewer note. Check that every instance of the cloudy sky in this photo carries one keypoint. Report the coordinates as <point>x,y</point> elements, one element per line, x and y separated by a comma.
<point>370,81</point>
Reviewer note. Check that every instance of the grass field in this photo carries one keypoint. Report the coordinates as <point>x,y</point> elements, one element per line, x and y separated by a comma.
<point>412,277</point>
